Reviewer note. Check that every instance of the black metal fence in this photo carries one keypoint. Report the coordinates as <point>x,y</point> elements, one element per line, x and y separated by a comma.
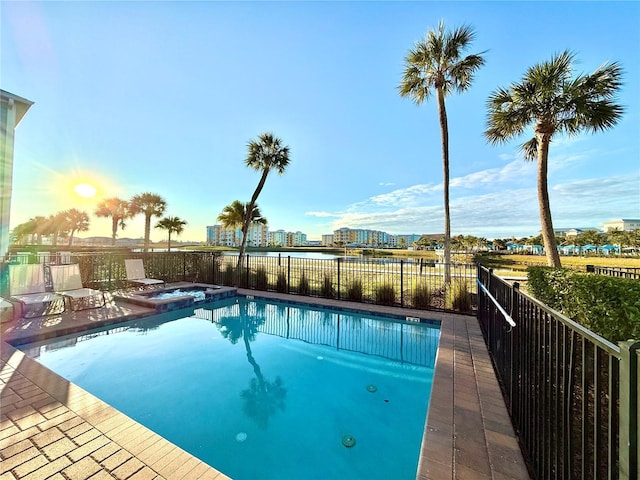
<point>622,272</point>
<point>572,395</point>
<point>405,283</point>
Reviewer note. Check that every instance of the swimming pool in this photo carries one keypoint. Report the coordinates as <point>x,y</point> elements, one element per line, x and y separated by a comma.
<point>266,390</point>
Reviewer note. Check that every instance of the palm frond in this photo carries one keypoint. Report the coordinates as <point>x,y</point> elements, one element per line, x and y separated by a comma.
<point>530,149</point>
<point>436,62</point>
<point>267,153</point>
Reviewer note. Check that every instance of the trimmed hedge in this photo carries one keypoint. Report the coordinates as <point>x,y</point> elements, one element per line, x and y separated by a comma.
<point>608,306</point>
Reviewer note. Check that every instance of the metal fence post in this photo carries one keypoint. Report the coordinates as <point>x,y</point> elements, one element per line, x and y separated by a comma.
<point>628,416</point>
<point>289,274</point>
<point>247,276</point>
<point>401,283</point>
<point>514,364</point>
<point>338,261</point>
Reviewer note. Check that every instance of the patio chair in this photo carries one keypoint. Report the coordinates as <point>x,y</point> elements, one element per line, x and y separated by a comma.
<point>68,283</point>
<point>136,274</point>
<point>27,286</point>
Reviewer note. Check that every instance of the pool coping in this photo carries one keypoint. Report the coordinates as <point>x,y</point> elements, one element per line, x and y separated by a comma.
<point>467,433</point>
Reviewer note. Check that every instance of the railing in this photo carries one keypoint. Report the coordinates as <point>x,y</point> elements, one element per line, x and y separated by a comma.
<point>572,395</point>
<point>106,270</point>
<point>405,283</point>
<point>623,272</point>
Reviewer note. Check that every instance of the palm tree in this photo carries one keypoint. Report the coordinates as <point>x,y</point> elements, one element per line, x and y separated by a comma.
<point>436,63</point>
<point>555,103</point>
<point>266,154</point>
<point>171,224</point>
<point>77,221</point>
<point>20,233</point>
<point>233,215</point>
<point>118,210</point>
<point>56,226</point>
<point>39,224</point>
<point>151,205</point>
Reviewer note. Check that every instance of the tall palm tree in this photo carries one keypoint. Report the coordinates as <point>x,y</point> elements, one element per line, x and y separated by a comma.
<point>233,215</point>
<point>266,154</point>
<point>118,211</point>
<point>150,205</point>
<point>77,221</point>
<point>437,64</point>
<point>171,224</point>
<point>550,99</point>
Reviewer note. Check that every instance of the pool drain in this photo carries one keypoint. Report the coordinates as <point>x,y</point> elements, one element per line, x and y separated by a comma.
<point>348,441</point>
<point>372,388</point>
<point>241,437</point>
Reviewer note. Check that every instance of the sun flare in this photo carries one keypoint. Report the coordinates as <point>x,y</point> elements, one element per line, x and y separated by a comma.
<point>85,190</point>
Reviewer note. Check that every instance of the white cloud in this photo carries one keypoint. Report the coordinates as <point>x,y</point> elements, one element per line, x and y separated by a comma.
<point>386,184</point>
<point>513,172</point>
<point>321,214</point>
<point>406,196</point>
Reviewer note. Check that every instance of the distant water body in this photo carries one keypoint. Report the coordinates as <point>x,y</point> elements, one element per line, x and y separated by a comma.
<point>319,255</point>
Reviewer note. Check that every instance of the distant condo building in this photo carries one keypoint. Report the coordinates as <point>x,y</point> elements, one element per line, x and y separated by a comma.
<point>368,238</point>
<point>257,236</point>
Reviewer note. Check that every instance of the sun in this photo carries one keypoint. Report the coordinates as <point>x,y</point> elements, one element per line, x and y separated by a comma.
<point>85,190</point>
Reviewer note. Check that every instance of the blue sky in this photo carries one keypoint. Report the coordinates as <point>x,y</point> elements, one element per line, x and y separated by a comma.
<point>163,97</point>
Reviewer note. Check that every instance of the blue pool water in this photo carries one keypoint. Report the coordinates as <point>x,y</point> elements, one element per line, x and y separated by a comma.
<point>266,390</point>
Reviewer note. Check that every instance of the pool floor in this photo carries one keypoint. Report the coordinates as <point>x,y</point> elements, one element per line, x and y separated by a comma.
<point>261,399</point>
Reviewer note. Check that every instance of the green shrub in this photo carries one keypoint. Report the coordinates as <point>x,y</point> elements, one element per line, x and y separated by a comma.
<point>281,283</point>
<point>385,294</point>
<point>303,285</point>
<point>354,291</point>
<point>608,306</point>
<point>260,279</point>
<point>421,297</point>
<point>458,297</point>
<point>327,290</point>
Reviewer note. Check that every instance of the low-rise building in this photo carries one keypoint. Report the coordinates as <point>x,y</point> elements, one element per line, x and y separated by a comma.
<point>622,224</point>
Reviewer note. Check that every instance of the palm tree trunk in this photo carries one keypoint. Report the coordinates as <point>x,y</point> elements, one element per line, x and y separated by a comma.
<point>147,231</point>
<point>71,237</point>
<point>444,130</point>
<point>548,235</point>
<point>247,222</point>
<point>114,230</point>
<point>169,241</point>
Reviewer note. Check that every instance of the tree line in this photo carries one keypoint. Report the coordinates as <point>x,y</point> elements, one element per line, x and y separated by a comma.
<point>620,238</point>
<point>67,223</point>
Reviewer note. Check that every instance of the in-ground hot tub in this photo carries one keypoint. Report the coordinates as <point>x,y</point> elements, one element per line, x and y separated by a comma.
<point>176,296</point>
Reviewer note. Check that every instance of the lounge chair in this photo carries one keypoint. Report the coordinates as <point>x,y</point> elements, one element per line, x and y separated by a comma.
<point>27,286</point>
<point>136,274</point>
<point>68,283</point>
